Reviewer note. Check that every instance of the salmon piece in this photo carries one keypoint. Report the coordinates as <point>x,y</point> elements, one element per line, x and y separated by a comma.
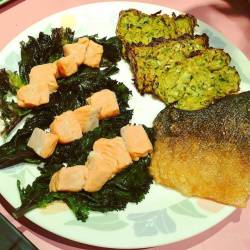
<point>67,66</point>
<point>77,50</point>
<point>84,41</point>
<point>93,54</point>
<point>99,169</point>
<point>68,179</point>
<point>105,100</point>
<point>136,141</point>
<point>57,75</point>
<point>47,68</point>
<point>53,182</point>
<point>44,74</point>
<point>67,127</point>
<point>88,117</point>
<point>43,143</point>
<point>32,95</point>
<point>114,148</point>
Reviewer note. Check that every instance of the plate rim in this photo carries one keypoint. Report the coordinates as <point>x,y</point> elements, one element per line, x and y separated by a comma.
<point>20,34</point>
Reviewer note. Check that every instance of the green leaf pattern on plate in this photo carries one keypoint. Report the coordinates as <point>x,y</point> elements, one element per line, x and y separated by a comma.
<point>105,222</point>
<point>186,207</point>
<point>152,223</point>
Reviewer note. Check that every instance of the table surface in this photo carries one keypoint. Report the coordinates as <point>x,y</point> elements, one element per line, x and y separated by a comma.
<point>232,18</point>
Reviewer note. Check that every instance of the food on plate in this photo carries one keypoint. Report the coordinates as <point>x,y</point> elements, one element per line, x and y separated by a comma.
<point>70,98</point>
<point>71,94</point>
<point>77,50</point>
<point>93,54</point>
<point>43,143</point>
<point>66,127</point>
<point>33,95</point>
<point>10,114</point>
<point>91,157</point>
<point>98,170</point>
<point>88,117</point>
<point>205,153</point>
<point>198,81</point>
<point>70,125</point>
<point>184,72</point>
<point>114,148</point>
<point>150,61</point>
<point>173,64</point>
<point>136,141</point>
<point>67,66</point>
<point>45,74</point>
<point>68,179</point>
<point>86,51</point>
<point>136,27</point>
<point>109,157</point>
<point>104,100</point>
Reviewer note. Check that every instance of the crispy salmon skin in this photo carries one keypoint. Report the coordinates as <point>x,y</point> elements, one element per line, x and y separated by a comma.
<point>205,153</point>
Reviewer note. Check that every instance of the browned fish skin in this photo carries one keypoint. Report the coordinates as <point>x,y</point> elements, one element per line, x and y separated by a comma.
<point>206,153</point>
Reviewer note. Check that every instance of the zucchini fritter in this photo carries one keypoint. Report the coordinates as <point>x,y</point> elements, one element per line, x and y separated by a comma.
<point>149,61</point>
<point>198,81</point>
<point>205,153</point>
<point>136,27</point>
<point>184,72</point>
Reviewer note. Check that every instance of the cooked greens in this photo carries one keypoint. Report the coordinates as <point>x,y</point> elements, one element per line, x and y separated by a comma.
<point>11,114</point>
<point>117,192</point>
<point>43,49</point>
<point>130,185</point>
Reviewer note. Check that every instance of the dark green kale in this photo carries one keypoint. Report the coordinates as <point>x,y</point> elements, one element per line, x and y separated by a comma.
<point>71,95</point>
<point>16,150</point>
<point>10,112</point>
<point>130,185</point>
<point>44,49</point>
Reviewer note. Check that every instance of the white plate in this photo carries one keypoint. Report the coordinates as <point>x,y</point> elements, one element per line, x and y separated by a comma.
<point>165,216</point>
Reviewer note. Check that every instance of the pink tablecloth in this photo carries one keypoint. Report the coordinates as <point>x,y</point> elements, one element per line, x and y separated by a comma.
<point>231,19</point>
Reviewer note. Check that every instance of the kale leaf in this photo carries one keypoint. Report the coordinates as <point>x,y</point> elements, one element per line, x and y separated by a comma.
<point>70,96</point>
<point>11,114</point>
<point>44,49</point>
<point>130,185</point>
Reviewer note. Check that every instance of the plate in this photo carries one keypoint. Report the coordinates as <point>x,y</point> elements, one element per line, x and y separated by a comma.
<point>164,216</point>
